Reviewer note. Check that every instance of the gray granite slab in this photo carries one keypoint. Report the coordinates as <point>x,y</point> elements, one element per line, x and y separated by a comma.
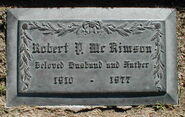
<point>91,56</point>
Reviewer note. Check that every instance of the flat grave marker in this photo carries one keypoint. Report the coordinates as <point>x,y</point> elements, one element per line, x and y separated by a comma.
<point>91,56</point>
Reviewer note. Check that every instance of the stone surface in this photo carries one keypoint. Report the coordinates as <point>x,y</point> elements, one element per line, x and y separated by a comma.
<point>91,56</point>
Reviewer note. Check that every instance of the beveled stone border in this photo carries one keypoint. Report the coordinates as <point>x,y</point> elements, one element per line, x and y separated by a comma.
<point>153,14</point>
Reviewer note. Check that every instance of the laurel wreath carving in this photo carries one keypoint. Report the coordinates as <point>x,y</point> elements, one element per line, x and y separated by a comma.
<point>159,67</point>
<point>24,58</point>
<point>91,27</point>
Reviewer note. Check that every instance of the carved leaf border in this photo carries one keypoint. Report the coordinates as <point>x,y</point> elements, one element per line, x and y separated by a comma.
<point>24,59</point>
<point>88,27</point>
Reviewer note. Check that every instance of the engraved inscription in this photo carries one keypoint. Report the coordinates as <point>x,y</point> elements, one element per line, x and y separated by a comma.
<point>119,79</point>
<point>49,53</point>
<point>63,80</point>
<point>37,48</point>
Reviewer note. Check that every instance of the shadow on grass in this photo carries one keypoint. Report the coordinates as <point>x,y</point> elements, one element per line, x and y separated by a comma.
<point>2,86</point>
<point>93,3</point>
<point>114,108</point>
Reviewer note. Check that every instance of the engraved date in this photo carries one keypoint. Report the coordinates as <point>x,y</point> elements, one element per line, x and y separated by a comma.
<point>119,79</point>
<point>63,80</point>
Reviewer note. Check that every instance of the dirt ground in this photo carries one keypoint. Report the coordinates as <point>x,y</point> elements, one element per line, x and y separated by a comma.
<point>129,111</point>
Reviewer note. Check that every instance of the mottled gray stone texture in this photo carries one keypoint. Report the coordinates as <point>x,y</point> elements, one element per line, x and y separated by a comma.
<point>91,56</point>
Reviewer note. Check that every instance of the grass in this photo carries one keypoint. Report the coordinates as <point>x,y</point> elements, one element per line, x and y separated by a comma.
<point>159,106</point>
<point>2,90</point>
